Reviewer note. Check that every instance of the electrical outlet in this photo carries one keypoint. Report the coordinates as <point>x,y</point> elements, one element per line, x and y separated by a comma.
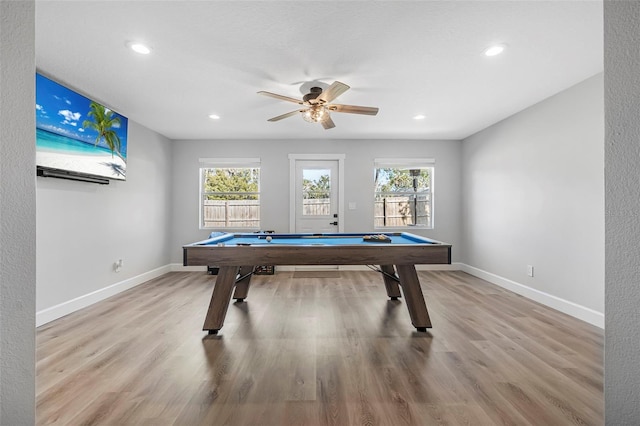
<point>117,265</point>
<point>530,270</point>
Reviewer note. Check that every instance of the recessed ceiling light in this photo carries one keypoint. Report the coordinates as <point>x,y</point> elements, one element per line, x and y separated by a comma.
<point>139,48</point>
<point>419,117</point>
<point>214,116</point>
<point>494,50</point>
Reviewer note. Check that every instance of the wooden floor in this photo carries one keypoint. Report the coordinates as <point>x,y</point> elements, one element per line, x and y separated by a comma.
<point>319,351</point>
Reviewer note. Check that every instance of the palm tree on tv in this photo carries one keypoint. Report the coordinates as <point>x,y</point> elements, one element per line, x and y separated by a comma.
<point>103,121</point>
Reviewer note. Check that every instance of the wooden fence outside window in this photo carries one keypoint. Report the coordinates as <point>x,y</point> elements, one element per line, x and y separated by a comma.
<point>388,212</point>
<point>231,213</point>
<point>400,211</point>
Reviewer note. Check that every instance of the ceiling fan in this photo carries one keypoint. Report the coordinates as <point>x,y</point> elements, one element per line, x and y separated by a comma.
<point>317,105</point>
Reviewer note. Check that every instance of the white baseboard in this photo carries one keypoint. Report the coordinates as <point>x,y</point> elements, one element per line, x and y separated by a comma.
<point>49,314</point>
<point>577,311</point>
<point>179,267</point>
<point>445,267</point>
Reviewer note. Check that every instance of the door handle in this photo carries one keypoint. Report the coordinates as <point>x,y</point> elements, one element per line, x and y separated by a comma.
<point>333,223</point>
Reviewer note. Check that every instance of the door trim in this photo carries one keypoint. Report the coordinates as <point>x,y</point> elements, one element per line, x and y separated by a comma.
<point>292,185</point>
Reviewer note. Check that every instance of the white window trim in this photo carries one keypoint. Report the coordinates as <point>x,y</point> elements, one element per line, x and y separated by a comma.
<point>204,163</point>
<point>229,162</point>
<point>403,162</point>
<point>381,163</point>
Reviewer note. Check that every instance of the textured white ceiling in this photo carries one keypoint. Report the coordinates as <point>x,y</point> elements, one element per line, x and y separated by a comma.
<point>407,58</point>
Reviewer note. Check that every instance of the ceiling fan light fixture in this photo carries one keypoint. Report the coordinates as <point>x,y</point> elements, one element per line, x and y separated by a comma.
<point>317,105</point>
<point>314,114</point>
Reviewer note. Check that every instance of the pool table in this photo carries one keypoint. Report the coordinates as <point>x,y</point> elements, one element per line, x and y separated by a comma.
<point>395,254</point>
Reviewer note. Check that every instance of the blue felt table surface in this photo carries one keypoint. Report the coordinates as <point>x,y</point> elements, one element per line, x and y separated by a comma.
<point>310,239</point>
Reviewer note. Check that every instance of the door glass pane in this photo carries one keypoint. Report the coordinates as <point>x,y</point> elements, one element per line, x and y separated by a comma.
<point>316,187</point>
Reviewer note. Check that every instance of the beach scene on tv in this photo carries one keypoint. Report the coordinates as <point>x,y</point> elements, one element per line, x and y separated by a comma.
<point>76,134</point>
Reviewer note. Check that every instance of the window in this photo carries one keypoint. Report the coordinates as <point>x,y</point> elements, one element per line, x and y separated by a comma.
<point>230,193</point>
<point>403,193</point>
<point>316,192</point>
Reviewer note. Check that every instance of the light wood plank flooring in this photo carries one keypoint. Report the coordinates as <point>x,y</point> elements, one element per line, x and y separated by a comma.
<point>319,351</point>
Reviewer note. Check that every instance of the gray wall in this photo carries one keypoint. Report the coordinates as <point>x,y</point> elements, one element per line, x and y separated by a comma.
<point>622,204</point>
<point>17,213</point>
<point>358,180</point>
<point>84,228</point>
<point>533,195</point>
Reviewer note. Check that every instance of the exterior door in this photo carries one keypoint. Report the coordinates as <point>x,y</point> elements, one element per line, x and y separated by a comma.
<point>316,196</point>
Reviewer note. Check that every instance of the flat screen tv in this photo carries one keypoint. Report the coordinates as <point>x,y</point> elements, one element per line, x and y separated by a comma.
<point>77,138</point>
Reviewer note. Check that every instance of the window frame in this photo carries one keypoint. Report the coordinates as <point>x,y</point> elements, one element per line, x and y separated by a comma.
<point>407,163</point>
<point>227,163</point>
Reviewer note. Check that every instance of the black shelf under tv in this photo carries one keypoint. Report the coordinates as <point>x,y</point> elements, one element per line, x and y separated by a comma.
<point>69,175</point>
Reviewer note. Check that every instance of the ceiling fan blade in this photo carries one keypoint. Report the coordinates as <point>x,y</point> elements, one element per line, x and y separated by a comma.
<point>333,91</point>
<point>327,122</point>
<point>353,109</point>
<point>289,114</point>
<point>281,97</point>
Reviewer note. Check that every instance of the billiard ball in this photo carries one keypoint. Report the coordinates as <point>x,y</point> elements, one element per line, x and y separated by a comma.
<point>269,239</point>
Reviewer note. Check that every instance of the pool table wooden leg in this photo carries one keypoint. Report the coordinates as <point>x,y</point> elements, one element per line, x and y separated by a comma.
<point>413,297</point>
<point>242,286</point>
<point>393,290</point>
<point>220,298</point>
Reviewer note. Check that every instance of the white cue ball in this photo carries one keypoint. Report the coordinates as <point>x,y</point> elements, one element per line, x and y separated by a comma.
<point>269,239</point>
